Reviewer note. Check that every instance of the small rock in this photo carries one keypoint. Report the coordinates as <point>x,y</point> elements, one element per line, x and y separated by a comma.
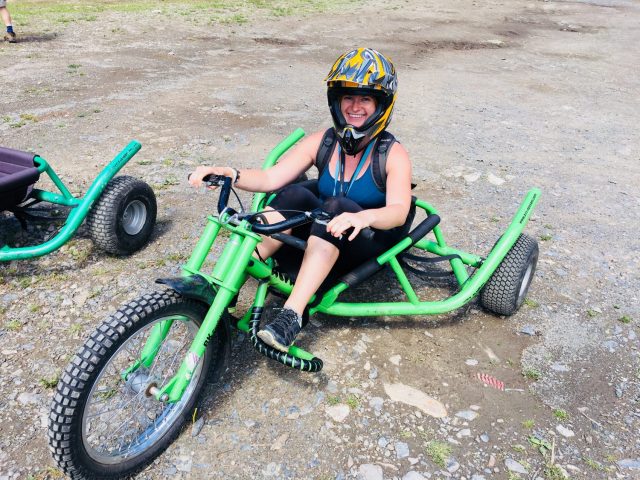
<point>565,432</point>
<point>495,180</point>
<point>402,450</point>
<point>484,438</point>
<point>452,465</point>
<point>280,441</point>
<point>471,177</point>
<point>395,359</point>
<point>383,442</point>
<point>184,463</point>
<point>376,403</point>
<point>369,471</point>
<point>514,466</point>
<point>468,415</point>
<point>629,463</point>
<point>558,367</point>
<point>196,428</point>
<point>472,362</point>
<point>373,374</point>
<point>476,476</point>
<point>338,413</point>
<point>332,387</point>
<point>403,393</point>
<point>465,432</point>
<point>28,398</point>
<point>412,475</point>
<point>528,330</point>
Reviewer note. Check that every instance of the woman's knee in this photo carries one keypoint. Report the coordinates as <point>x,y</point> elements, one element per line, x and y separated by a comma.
<point>338,205</point>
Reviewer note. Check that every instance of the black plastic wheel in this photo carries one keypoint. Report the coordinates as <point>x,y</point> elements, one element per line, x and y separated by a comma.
<point>104,423</point>
<point>507,288</point>
<point>122,219</point>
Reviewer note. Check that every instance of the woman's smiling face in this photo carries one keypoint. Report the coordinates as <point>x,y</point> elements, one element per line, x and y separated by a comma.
<point>357,109</point>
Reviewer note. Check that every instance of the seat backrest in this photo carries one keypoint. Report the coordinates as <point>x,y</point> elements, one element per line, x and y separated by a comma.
<point>17,174</point>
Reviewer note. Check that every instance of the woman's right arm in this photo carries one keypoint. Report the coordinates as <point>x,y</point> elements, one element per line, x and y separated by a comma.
<point>289,167</point>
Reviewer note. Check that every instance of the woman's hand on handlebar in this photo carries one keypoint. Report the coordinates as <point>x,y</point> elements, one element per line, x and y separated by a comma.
<point>343,222</point>
<point>196,177</point>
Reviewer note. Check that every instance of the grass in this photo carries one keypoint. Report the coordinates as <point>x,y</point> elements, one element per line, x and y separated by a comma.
<point>519,448</point>
<point>438,452</point>
<point>531,303</point>
<point>594,465</point>
<point>560,414</point>
<point>48,473</point>
<point>75,329</point>
<point>13,325</point>
<point>333,400</point>
<point>554,472</point>
<point>531,374</point>
<point>230,12</point>
<point>50,382</point>
<point>625,319</point>
<point>353,402</point>
<point>528,424</point>
<point>592,313</point>
<point>546,237</point>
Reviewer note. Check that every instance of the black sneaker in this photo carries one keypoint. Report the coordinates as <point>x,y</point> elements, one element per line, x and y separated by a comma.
<point>282,331</point>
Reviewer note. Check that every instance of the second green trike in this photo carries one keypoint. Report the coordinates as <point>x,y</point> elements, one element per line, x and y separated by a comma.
<point>134,383</point>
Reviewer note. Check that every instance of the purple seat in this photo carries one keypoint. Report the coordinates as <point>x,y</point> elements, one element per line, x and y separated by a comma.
<point>18,173</point>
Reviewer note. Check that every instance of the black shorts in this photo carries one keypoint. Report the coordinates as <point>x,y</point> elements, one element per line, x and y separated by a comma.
<point>304,197</point>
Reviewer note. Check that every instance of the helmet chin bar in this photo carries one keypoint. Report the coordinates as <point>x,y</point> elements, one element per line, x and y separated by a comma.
<point>353,139</point>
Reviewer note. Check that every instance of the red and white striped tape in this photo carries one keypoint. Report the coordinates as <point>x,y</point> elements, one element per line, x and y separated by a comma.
<point>491,381</point>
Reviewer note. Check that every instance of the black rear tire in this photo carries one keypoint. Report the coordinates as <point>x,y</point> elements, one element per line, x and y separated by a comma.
<point>100,425</point>
<point>122,219</point>
<point>505,292</point>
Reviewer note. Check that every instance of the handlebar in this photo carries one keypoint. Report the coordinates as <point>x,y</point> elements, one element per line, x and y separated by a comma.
<point>302,218</point>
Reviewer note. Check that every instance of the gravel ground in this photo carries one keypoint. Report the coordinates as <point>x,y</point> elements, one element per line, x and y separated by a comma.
<point>495,98</point>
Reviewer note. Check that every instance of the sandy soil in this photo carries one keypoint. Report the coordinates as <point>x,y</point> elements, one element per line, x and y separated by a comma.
<point>495,98</point>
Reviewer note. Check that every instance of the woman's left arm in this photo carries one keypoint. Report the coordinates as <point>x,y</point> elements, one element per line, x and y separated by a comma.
<point>398,200</point>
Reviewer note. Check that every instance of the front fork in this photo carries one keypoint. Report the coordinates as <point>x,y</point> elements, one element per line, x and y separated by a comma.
<point>229,275</point>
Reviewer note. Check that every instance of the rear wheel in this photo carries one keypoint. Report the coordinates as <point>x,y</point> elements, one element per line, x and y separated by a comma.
<point>122,219</point>
<point>507,288</point>
<point>104,423</point>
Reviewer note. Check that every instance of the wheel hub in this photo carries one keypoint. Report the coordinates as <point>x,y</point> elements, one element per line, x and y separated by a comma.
<point>139,382</point>
<point>134,217</point>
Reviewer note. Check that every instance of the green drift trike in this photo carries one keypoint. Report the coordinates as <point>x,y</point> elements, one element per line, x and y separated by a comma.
<point>132,386</point>
<point>120,211</point>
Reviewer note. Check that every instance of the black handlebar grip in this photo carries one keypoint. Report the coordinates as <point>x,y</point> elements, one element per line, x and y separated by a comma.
<point>224,192</point>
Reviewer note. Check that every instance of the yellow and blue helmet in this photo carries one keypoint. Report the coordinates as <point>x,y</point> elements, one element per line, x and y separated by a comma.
<point>362,71</point>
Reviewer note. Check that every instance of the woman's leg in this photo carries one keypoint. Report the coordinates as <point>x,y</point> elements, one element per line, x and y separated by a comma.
<point>323,249</point>
<point>290,200</point>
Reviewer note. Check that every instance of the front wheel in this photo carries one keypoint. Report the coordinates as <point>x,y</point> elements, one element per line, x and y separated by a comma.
<point>122,219</point>
<point>104,423</point>
<point>506,290</point>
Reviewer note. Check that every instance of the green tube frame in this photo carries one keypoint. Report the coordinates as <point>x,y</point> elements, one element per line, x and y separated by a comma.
<point>80,209</point>
<point>236,263</point>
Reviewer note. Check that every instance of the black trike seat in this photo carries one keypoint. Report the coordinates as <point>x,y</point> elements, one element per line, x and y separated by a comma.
<point>18,173</point>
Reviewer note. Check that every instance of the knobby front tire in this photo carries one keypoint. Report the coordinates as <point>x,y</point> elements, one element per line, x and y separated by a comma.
<point>104,427</point>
